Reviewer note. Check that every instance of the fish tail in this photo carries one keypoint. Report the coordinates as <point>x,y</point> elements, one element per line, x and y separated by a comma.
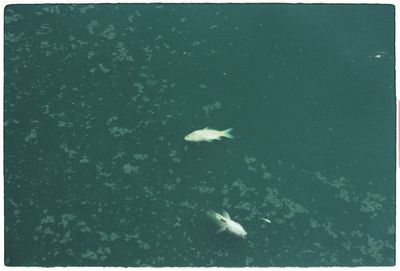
<point>227,133</point>
<point>216,218</point>
<point>211,213</point>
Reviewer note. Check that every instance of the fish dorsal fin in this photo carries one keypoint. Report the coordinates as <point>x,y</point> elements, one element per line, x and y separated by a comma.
<point>206,128</point>
<point>226,215</point>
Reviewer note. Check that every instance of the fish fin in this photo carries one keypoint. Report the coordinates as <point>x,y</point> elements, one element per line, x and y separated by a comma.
<point>227,133</point>
<point>206,128</point>
<point>220,230</point>
<point>225,214</point>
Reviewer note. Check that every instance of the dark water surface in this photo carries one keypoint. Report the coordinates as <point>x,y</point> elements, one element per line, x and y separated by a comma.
<point>98,99</point>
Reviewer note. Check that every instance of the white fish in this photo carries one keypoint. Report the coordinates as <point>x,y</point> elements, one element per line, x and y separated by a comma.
<point>208,135</point>
<point>266,220</point>
<point>225,223</point>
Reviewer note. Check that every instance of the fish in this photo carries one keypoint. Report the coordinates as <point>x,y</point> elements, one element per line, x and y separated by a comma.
<point>225,223</point>
<point>208,135</point>
<point>266,220</point>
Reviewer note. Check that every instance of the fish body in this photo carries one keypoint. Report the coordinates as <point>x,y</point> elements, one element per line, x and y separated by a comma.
<point>225,223</point>
<point>208,135</point>
<point>266,220</point>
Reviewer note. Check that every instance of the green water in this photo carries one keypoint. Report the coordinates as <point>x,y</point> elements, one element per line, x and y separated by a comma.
<point>98,99</point>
